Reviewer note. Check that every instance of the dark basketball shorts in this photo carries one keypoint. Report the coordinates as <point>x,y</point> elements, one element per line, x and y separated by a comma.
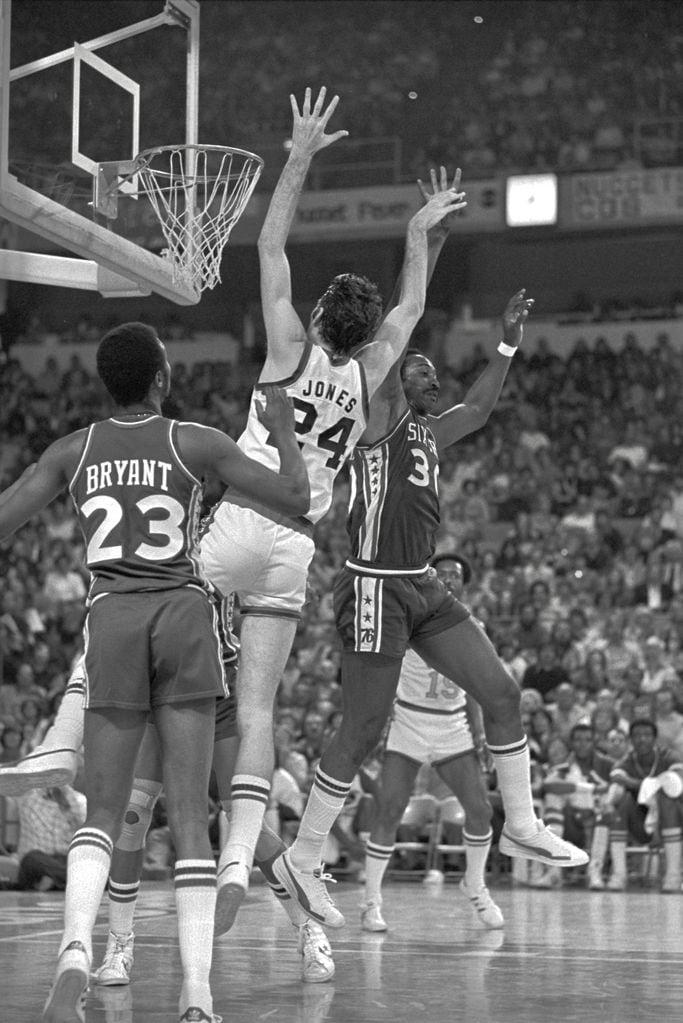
<point>226,718</point>
<point>383,614</point>
<point>145,649</point>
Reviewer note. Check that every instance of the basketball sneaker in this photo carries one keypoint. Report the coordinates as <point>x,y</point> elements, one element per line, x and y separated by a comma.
<point>41,769</point>
<point>65,1003</point>
<point>486,909</point>
<point>195,1015</point>
<point>233,881</point>
<point>544,846</point>
<point>616,883</point>
<point>317,963</point>
<point>308,890</point>
<point>371,918</point>
<point>118,961</point>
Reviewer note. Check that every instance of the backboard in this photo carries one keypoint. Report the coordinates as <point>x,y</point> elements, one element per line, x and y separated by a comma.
<point>47,167</point>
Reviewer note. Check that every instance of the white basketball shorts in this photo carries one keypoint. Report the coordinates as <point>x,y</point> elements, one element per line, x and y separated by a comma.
<point>428,738</point>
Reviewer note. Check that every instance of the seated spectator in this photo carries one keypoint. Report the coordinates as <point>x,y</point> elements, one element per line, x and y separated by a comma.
<point>669,722</point>
<point>547,673</point>
<point>573,792</point>
<point>63,585</point>
<point>48,819</point>
<point>566,712</point>
<point>657,671</point>
<point>643,811</point>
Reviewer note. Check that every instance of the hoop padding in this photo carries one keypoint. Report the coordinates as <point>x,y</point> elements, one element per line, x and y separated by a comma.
<point>198,193</point>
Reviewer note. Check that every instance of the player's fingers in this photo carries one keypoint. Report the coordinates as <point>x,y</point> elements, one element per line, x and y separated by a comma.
<point>320,100</point>
<point>337,135</point>
<point>307,102</point>
<point>294,105</point>
<point>423,190</point>
<point>331,109</point>
<point>432,175</point>
<point>456,179</point>
<point>444,179</point>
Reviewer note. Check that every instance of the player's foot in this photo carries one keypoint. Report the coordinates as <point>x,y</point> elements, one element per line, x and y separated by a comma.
<point>118,961</point>
<point>196,1015</point>
<point>309,891</point>
<point>616,883</point>
<point>317,964</point>
<point>371,918</point>
<point>486,909</point>
<point>233,882</point>
<point>41,769</point>
<point>595,880</point>
<point>67,995</point>
<point>544,846</point>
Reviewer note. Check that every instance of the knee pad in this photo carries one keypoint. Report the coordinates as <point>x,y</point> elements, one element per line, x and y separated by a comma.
<point>138,815</point>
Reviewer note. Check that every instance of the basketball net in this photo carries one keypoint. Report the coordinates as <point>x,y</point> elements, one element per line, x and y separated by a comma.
<point>198,193</point>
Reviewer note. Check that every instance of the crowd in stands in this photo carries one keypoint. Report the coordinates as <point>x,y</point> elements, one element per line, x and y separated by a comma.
<point>561,85</point>
<point>568,506</point>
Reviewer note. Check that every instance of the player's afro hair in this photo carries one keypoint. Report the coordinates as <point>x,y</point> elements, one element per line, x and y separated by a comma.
<point>128,357</point>
<point>463,562</point>
<point>351,310</point>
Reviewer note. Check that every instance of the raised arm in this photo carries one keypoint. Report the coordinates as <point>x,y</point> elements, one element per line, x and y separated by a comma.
<point>393,335</point>
<point>438,234</point>
<point>283,325</point>
<point>38,484</point>
<point>482,396</point>
<point>210,452</point>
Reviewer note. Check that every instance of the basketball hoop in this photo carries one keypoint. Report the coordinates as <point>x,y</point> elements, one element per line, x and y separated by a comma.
<point>198,193</point>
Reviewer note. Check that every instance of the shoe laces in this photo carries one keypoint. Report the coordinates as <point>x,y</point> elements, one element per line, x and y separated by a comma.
<point>120,954</point>
<point>314,941</point>
<point>320,875</point>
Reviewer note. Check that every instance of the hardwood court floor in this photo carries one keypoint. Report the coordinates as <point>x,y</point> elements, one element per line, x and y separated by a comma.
<point>564,956</point>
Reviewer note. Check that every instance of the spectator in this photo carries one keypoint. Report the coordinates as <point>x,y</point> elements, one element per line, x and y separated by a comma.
<point>669,722</point>
<point>565,711</point>
<point>547,673</point>
<point>657,671</point>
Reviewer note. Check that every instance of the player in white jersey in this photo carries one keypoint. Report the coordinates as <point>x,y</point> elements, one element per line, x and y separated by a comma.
<point>265,557</point>
<point>433,721</point>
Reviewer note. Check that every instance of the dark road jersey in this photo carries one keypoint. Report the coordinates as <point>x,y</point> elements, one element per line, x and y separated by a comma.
<point>394,502</point>
<point>138,507</point>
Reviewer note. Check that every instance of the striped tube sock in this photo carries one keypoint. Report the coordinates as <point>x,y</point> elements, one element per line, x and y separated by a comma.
<point>513,769</point>
<point>377,859</point>
<point>248,800</point>
<point>66,731</point>
<point>122,902</point>
<point>195,896</point>
<point>324,805</point>
<point>476,854</point>
<point>671,837</point>
<point>268,848</point>
<point>86,876</point>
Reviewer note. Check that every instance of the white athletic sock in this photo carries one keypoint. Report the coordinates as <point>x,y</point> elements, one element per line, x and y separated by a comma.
<point>86,875</point>
<point>66,731</point>
<point>195,896</point>
<point>248,801</point>
<point>324,805</point>
<point>377,859</point>
<point>513,769</point>
<point>122,903</point>
<point>476,854</point>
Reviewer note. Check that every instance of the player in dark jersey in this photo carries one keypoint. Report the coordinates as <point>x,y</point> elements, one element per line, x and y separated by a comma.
<point>386,597</point>
<point>151,642</point>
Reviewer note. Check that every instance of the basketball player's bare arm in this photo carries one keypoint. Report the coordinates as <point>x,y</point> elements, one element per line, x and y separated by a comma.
<point>40,483</point>
<point>209,452</point>
<point>438,234</point>
<point>480,400</point>
<point>283,325</point>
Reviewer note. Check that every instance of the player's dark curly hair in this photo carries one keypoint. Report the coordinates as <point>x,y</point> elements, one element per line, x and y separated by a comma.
<point>459,559</point>
<point>411,353</point>
<point>128,357</point>
<point>351,312</point>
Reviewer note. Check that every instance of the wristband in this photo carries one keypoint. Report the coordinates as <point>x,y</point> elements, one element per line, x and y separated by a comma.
<point>508,350</point>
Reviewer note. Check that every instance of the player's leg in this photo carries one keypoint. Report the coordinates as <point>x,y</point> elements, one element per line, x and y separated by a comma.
<point>464,777</point>
<point>112,738</point>
<point>126,864</point>
<point>369,684</point>
<point>54,762</point>
<point>317,964</point>
<point>466,653</point>
<point>396,784</point>
<point>188,677</point>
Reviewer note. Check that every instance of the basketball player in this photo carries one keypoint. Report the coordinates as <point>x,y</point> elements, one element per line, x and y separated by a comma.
<point>386,597</point>
<point>430,723</point>
<point>151,641</point>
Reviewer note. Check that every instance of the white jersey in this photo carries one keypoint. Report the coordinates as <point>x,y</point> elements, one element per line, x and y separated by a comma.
<point>330,407</point>
<point>423,688</point>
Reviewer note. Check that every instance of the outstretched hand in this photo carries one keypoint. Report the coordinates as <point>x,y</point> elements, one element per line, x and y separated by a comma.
<point>308,132</point>
<point>515,316</point>
<point>440,184</point>
<point>439,205</point>
<point>276,412</point>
